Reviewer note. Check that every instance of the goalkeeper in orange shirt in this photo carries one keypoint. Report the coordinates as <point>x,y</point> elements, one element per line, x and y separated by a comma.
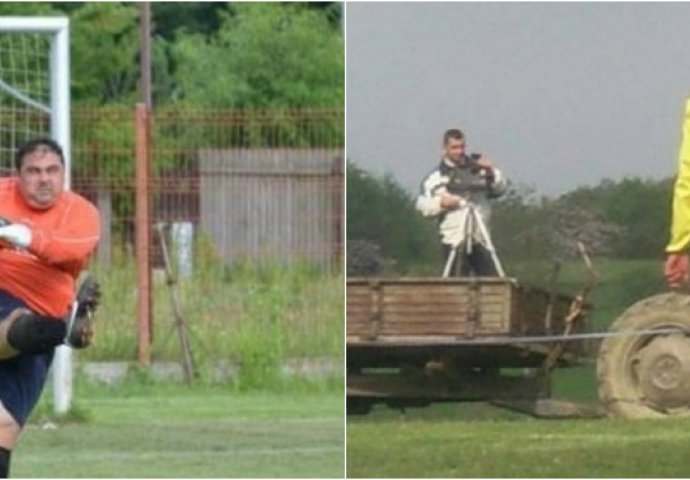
<point>676,268</point>
<point>47,235</point>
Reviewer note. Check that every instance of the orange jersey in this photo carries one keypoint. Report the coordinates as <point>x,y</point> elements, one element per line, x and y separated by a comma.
<point>63,238</point>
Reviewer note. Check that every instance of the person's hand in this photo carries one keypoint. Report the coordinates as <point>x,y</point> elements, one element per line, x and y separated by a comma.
<point>16,235</point>
<point>485,163</point>
<point>450,201</point>
<point>676,269</point>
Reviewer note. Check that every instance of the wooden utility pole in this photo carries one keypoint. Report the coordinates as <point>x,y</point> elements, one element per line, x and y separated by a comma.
<point>143,192</point>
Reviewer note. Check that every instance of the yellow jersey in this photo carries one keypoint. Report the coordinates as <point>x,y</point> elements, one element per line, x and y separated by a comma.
<point>680,224</point>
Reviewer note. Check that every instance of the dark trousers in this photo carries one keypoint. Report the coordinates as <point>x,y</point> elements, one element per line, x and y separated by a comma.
<point>22,377</point>
<point>478,263</point>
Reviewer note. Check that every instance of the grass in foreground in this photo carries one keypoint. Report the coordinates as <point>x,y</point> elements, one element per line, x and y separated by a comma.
<point>169,430</point>
<point>441,442</point>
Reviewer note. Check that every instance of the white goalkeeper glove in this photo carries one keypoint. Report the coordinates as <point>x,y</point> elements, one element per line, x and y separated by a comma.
<point>16,234</point>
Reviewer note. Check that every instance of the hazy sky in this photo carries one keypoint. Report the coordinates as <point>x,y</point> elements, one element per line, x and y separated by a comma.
<point>559,95</point>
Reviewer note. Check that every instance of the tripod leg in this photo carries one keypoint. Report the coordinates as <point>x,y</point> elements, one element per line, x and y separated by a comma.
<point>489,244</point>
<point>449,263</point>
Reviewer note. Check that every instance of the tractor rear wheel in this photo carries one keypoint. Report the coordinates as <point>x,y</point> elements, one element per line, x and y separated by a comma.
<point>648,375</point>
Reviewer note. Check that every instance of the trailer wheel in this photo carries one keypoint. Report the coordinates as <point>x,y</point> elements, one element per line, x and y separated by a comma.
<point>648,376</point>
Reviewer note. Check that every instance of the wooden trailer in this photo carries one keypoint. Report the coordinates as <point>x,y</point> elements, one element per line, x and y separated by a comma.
<point>412,341</point>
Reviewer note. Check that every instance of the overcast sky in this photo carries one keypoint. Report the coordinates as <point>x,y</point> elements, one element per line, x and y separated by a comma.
<point>559,95</point>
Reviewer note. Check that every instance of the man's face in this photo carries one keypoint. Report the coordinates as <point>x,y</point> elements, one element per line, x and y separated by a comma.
<point>41,178</point>
<point>454,149</point>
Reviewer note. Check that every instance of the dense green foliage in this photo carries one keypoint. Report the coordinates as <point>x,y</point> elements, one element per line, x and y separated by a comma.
<point>263,55</point>
<point>219,54</point>
<point>381,212</point>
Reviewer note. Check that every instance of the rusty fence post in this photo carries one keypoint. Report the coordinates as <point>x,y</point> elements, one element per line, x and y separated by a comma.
<point>142,124</point>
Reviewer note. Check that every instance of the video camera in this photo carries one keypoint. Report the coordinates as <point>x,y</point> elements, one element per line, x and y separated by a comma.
<point>468,177</point>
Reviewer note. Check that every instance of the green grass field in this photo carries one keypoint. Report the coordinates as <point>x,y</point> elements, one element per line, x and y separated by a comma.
<point>259,423</point>
<point>477,440</point>
<point>169,430</point>
<point>443,441</point>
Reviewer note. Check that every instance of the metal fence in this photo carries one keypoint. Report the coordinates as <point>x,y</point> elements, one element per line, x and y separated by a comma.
<point>253,187</point>
<point>261,186</point>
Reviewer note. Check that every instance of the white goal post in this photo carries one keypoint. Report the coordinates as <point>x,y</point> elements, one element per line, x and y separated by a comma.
<point>57,29</point>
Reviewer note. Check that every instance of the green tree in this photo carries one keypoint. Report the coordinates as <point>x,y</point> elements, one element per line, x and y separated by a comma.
<point>104,46</point>
<point>263,55</point>
<point>640,208</point>
<point>380,211</point>
<point>628,218</point>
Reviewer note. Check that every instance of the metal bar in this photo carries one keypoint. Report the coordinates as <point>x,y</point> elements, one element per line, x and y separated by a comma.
<point>489,243</point>
<point>449,263</point>
<point>143,233</point>
<point>180,325</point>
<point>506,340</point>
<point>263,173</point>
<point>23,98</point>
<point>60,130</point>
<point>34,24</point>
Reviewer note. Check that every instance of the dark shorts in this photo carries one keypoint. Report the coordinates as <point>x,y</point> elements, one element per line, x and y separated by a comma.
<point>21,378</point>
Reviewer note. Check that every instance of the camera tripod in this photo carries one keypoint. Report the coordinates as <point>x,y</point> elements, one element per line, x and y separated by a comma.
<point>473,223</point>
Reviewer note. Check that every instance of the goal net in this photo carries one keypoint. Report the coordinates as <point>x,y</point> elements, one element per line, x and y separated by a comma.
<point>24,91</point>
<point>35,101</point>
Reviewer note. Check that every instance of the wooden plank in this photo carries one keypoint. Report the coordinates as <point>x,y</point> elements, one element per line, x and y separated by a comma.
<point>425,330</point>
<point>444,299</point>
<point>357,298</point>
<point>439,291</point>
<point>441,309</point>
<point>436,328</point>
<point>402,317</point>
<point>420,309</point>
<point>449,293</point>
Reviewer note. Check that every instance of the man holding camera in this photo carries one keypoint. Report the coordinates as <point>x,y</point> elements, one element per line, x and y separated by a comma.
<point>459,187</point>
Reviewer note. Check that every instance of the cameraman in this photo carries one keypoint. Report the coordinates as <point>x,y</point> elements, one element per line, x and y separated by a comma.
<point>461,180</point>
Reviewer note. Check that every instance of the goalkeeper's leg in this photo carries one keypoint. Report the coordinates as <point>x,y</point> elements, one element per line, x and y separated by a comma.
<point>22,331</point>
<point>25,332</point>
<point>22,379</point>
<point>22,376</point>
<point>9,433</point>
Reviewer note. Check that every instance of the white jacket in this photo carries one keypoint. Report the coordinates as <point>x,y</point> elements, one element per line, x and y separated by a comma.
<point>476,189</point>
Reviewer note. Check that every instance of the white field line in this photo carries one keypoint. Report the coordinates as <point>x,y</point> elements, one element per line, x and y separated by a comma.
<point>139,455</point>
<point>192,422</point>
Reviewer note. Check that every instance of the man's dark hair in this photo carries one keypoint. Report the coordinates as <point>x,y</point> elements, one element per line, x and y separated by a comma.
<point>453,133</point>
<point>35,145</point>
